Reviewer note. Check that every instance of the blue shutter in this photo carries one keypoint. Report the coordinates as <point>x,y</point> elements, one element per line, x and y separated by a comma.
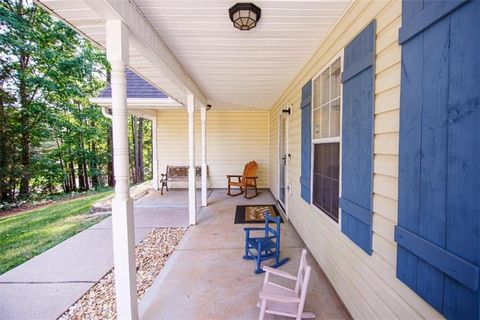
<point>438,252</point>
<point>357,138</point>
<point>306,109</point>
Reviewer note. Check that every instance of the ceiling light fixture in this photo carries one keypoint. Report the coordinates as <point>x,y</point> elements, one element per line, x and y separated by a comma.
<point>244,15</point>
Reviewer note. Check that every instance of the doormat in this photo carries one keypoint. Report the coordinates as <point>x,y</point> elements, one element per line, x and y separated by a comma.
<point>255,213</point>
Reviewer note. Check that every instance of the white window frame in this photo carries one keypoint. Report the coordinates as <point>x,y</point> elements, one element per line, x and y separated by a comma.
<point>338,139</point>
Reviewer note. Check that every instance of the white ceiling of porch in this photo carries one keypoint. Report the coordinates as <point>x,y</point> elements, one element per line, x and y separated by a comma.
<point>250,68</point>
<point>231,67</point>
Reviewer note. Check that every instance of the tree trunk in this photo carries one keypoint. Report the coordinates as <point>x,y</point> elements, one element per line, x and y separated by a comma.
<point>23,60</point>
<point>93,165</point>
<point>85,174</point>
<point>65,185</point>
<point>25,133</point>
<point>4,189</point>
<point>81,176</point>
<point>140,165</point>
<point>73,182</point>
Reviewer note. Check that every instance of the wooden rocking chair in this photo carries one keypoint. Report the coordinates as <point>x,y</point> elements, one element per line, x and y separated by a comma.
<point>283,301</point>
<point>245,181</point>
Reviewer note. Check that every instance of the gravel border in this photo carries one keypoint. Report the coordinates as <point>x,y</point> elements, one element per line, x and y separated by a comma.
<point>151,255</point>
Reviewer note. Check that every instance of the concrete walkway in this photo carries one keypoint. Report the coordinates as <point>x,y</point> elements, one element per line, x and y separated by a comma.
<point>206,277</point>
<point>47,285</point>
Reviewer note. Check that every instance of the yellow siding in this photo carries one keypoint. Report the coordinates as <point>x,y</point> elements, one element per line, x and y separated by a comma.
<point>366,284</point>
<point>233,139</point>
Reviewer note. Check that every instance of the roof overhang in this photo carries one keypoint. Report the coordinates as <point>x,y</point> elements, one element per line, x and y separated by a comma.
<point>141,103</point>
<point>190,47</point>
<point>149,56</point>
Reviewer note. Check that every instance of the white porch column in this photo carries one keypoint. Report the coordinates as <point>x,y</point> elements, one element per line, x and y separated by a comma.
<point>192,204</point>
<point>155,154</point>
<point>122,204</point>
<point>203,118</point>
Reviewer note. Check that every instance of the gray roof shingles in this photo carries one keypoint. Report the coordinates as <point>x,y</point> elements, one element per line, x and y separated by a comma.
<point>136,88</point>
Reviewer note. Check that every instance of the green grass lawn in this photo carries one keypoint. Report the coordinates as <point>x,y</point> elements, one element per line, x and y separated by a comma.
<point>28,234</point>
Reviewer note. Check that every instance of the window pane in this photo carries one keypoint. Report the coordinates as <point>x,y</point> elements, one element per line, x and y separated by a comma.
<point>325,87</point>
<point>316,91</point>
<point>335,118</point>
<point>318,163</point>
<point>324,120</point>
<point>335,80</point>
<point>316,124</point>
<point>335,161</point>
<point>326,161</point>
<point>327,195</point>
<point>317,178</point>
<point>317,187</point>
<point>335,188</point>
<point>325,178</point>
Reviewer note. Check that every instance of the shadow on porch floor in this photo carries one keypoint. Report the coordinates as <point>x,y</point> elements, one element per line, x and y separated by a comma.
<point>206,277</point>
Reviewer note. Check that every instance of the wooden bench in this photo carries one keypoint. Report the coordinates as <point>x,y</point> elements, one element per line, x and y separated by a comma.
<point>178,173</point>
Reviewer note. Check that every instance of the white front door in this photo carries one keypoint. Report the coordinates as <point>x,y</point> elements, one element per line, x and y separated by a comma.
<point>282,160</point>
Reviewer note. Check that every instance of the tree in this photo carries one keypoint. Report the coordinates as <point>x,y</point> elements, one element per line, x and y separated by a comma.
<point>31,56</point>
<point>51,136</point>
<point>140,149</point>
<point>47,72</point>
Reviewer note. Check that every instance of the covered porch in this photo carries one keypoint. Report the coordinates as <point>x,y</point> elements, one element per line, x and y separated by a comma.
<point>216,78</point>
<point>334,98</point>
<point>206,277</point>
<point>200,66</point>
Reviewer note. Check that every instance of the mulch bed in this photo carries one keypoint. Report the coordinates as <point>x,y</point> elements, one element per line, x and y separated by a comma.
<point>151,255</point>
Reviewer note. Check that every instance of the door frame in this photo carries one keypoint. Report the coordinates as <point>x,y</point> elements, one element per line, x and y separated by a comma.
<point>282,116</point>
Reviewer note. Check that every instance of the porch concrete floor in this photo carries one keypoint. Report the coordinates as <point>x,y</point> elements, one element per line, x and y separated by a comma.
<point>206,277</point>
<point>47,285</point>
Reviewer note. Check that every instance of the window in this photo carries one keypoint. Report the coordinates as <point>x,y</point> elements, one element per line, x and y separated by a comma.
<point>325,179</point>
<point>326,139</point>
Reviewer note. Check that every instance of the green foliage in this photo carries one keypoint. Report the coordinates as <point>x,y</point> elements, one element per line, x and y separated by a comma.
<point>51,137</point>
<point>26,235</point>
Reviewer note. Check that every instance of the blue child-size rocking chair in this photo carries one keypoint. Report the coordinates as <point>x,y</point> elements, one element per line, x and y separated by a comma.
<point>266,247</point>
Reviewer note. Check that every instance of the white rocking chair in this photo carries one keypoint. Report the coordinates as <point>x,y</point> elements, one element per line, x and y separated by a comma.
<point>279,300</point>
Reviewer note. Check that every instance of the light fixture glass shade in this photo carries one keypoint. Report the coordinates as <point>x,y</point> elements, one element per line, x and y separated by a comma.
<point>244,15</point>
